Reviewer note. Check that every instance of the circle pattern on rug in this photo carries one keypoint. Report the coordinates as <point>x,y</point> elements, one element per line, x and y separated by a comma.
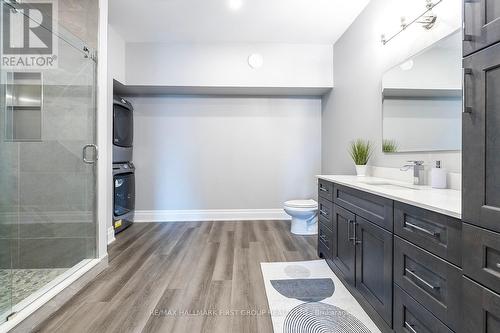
<point>297,271</point>
<point>306,290</point>
<point>316,317</point>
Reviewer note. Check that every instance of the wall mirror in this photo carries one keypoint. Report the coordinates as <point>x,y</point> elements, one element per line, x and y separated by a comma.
<point>422,100</point>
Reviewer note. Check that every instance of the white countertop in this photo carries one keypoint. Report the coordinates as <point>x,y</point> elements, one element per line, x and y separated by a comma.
<point>444,201</point>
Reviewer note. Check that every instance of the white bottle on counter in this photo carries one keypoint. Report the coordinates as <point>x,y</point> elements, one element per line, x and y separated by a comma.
<point>438,176</point>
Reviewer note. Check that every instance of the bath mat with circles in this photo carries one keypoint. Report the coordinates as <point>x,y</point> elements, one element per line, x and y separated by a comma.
<point>307,297</point>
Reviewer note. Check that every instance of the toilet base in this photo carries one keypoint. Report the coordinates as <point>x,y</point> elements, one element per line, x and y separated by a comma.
<point>305,227</point>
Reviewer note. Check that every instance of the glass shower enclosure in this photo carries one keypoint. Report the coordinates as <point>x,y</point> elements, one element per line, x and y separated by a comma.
<point>47,155</point>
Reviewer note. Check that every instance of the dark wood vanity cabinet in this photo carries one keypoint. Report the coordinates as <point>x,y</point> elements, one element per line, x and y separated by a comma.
<point>481,139</point>
<point>362,252</point>
<point>411,317</point>
<point>433,282</point>
<point>481,308</point>
<point>482,256</point>
<point>437,233</point>
<point>481,167</point>
<point>481,24</point>
<point>401,262</point>
<point>344,249</point>
<point>374,208</point>
<point>374,266</point>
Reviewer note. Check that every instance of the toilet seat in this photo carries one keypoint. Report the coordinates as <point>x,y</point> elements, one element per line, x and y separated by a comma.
<point>301,203</point>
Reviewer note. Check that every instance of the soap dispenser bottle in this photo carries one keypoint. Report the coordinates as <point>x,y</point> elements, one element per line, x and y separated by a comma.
<point>438,176</point>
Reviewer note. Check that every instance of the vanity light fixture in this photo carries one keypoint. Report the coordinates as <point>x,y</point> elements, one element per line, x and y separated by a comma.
<point>427,19</point>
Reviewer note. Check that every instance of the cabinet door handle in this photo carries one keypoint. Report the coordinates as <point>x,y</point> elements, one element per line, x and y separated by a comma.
<point>323,213</point>
<point>410,327</point>
<point>321,188</point>
<point>427,284</point>
<point>466,36</point>
<point>467,108</point>
<point>349,238</point>
<point>354,238</point>
<point>428,232</point>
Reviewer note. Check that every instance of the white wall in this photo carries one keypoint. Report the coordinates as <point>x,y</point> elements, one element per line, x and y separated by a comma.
<point>197,153</point>
<point>226,65</point>
<point>116,55</point>
<point>354,108</point>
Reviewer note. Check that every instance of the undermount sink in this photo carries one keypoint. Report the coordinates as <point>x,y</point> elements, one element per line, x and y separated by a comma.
<point>389,185</point>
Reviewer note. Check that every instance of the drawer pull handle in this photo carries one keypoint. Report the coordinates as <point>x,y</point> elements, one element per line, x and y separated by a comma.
<point>321,188</point>
<point>410,327</point>
<point>323,213</point>
<point>428,232</point>
<point>323,238</point>
<point>427,284</point>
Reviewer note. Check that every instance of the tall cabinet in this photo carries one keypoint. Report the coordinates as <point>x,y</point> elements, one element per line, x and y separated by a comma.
<point>481,167</point>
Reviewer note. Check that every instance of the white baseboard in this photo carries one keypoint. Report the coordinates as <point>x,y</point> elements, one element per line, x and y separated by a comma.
<point>111,235</point>
<point>209,215</point>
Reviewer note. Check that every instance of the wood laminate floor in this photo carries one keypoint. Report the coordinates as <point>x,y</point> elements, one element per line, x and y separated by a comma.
<point>184,277</point>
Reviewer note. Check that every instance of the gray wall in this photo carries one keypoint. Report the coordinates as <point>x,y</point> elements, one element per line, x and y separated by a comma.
<point>354,108</point>
<point>225,152</point>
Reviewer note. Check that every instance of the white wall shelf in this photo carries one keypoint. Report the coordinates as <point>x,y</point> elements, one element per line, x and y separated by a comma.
<point>149,90</point>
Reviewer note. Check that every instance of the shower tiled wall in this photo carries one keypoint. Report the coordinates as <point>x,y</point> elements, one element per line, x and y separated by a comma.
<point>47,197</point>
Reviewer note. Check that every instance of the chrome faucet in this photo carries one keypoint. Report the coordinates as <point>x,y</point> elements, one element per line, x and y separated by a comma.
<point>418,171</point>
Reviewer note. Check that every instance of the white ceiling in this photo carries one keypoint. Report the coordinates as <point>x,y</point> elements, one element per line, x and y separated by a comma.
<point>257,21</point>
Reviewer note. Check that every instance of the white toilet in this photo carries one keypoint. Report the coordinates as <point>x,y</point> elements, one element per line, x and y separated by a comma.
<point>304,215</point>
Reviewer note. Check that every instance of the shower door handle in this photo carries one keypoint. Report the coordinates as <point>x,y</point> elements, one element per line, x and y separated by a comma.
<point>84,153</point>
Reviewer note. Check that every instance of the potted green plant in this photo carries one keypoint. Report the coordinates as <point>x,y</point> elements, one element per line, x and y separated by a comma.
<point>360,151</point>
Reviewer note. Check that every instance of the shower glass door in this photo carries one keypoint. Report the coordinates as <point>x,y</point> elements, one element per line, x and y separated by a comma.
<point>47,163</point>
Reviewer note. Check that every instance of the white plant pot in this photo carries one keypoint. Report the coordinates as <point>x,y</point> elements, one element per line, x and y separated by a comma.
<point>361,170</point>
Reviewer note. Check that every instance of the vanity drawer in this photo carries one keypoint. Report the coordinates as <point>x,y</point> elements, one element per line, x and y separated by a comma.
<point>437,233</point>
<point>411,317</point>
<point>433,282</point>
<point>481,308</point>
<point>325,239</point>
<point>482,256</point>
<point>374,208</point>
<point>325,189</point>
<point>325,212</point>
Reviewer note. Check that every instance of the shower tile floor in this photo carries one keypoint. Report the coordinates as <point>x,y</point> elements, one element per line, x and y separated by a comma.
<point>24,282</point>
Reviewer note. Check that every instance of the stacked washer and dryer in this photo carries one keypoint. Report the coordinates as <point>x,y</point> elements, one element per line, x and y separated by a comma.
<point>123,168</point>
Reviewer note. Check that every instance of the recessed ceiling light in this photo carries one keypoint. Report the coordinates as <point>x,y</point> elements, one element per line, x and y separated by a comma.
<point>256,60</point>
<point>235,4</point>
<point>406,66</point>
